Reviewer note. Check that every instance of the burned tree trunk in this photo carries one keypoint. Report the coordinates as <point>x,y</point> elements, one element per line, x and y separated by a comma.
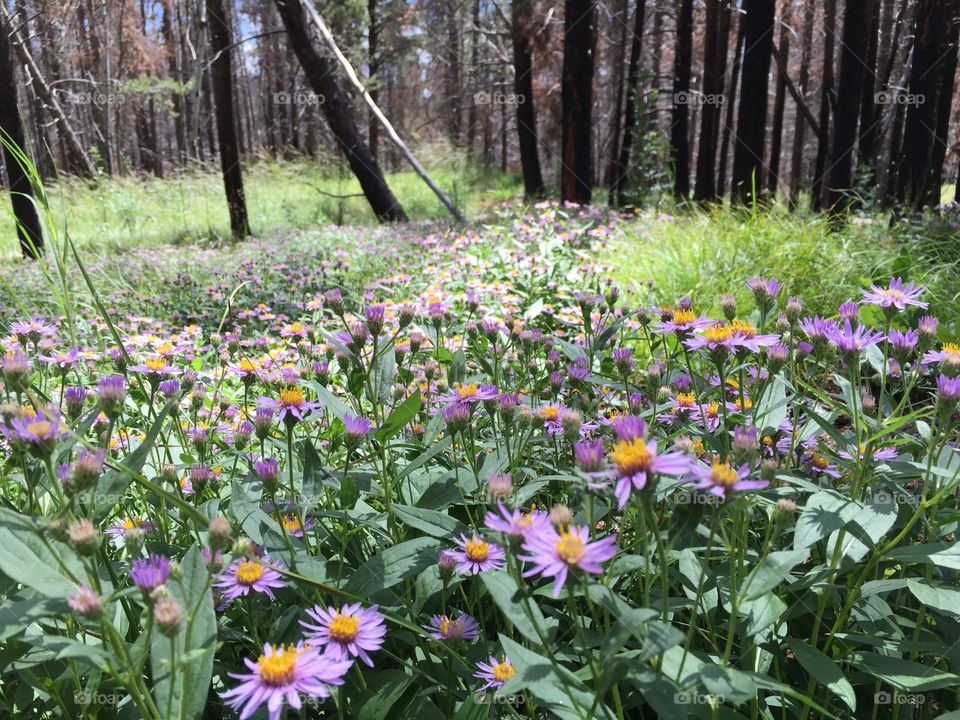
<point>620,170</point>
<point>11,131</point>
<point>706,186</point>
<point>339,114</point>
<point>523,89</point>
<point>679,122</point>
<point>577,99</point>
<point>222,76</point>
<point>751,118</point>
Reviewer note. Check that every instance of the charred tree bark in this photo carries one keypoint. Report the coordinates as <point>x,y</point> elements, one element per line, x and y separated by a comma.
<point>731,105</point>
<point>577,100</point>
<point>868,105</point>
<point>945,100</point>
<point>796,162</point>
<point>679,121</point>
<point>780,100</point>
<point>373,62</point>
<point>826,100</point>
<point>621,169</point>
<point>522,19</point>
<point>853,59</point>
<point>706,185</point>
<point>29,232</point>
<point>931,40</point>
<point>222,78</point>
<point>751,117</point>
<point>339,114</point>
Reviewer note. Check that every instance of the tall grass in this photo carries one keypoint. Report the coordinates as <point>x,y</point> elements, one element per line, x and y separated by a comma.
<point>281,195</point>
<point>705,253</point>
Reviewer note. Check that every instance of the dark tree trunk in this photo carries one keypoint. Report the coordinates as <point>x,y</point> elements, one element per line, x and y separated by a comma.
<point>853,59</point>
<point>751,118</point>
<point>474,62</point>
<point>373,61</point>
<point>826,99</point>
<point>730,103</point>
<point>931,41</point>
<point>580,22</point>
<point>522,18</point>
<point>29,231</point>
<point>222,79</point>
<point>869,118</point>
<point>622,17</point>
<point>945,101</point>
<point>621,170</point>
<point>679,121</point>
<point>339,114</point>
<point>780,100</point>
<point>706,187</point>
<point>796,162</point>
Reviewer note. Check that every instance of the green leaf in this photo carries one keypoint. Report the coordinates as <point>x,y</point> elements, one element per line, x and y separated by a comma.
<point>383,690</point>
<point>770,572</point>
<point>824,670</point>
<point>661,636</point>
<point>393,565</point>
<point>403,414</point>
<point>938,597</point>
<point>903,674</point>
<point>729,683</point>
<point>25,558</point>
<point>329,400</point>
<point>825,511</point>
<point>762,612</point>
<point>183,694</point>
<point>523,612</point>
<point>432,522</point>
<point>556,688</point>
<point>111,487</point>
<point>939,554</point>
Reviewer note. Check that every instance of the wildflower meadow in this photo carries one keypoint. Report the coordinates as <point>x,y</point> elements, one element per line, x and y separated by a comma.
<point>497,486</point>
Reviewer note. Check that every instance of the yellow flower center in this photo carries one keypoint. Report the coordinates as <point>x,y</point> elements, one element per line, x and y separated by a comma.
<point>631,456</point>
<point>893,294</point>
<point>712,409</point>
<point>296,327</point>
<point>686,400</point>
<point>291,397</point>
<point>952,351</point>
<point>820,462</point>
<point>130,523</point>
<point>718,333</point>
<point>570,548</point>
<point>156,364</point>
<point>503,671</point>
<point>165,349</point>
<point>248,572</point>
<point>723,474</point>
<point>291,523</point>
<point>278,669</point>
<point>39,428</point>
<point>747,404</point>
<point>451,628</point>
<point>476,549</point>
<point>743,329</point>
<point>248,366</point>
<point>550,412</point>
<point>467,391</point>
<point>344,628</point>
<point>682,317</point>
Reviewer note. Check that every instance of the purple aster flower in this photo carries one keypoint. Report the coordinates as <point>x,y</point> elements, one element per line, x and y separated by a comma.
<point>37,432</point>
<point>374,315</point>
<point>557,554</point>
<point>876,454</point>
<point>590,455</point>
<point>170,388</point>
<point>246,575</point>
<point>722,480</point>
<point>682,322</point>
<point>948,356</point>
<point>291,407</point>
<point>895,295</point>
<point>356,428</point>
<point>456,417</point>
<point>63,360</point>
<point>469,394</point>
<point>352,631</point>
<point>134,522</point>
<point>514,523</point>
<point>476,555</point>
<point>819,463</point>
<point>551,416</point>
<point>282,674</point>
<point>494,674</point>
<point>150,573</point>
<point>903,343</point>
<point>32,330</point>
<point>447,629</point>
<point>948,389</point>
<point>629,427</point>
<point>636,462</point>
<point>850,341</point>
<point>818,330</point>
<point>267,471</point>
<point>849,310</point>
<point>86,603</point>
<point>111,392</point>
